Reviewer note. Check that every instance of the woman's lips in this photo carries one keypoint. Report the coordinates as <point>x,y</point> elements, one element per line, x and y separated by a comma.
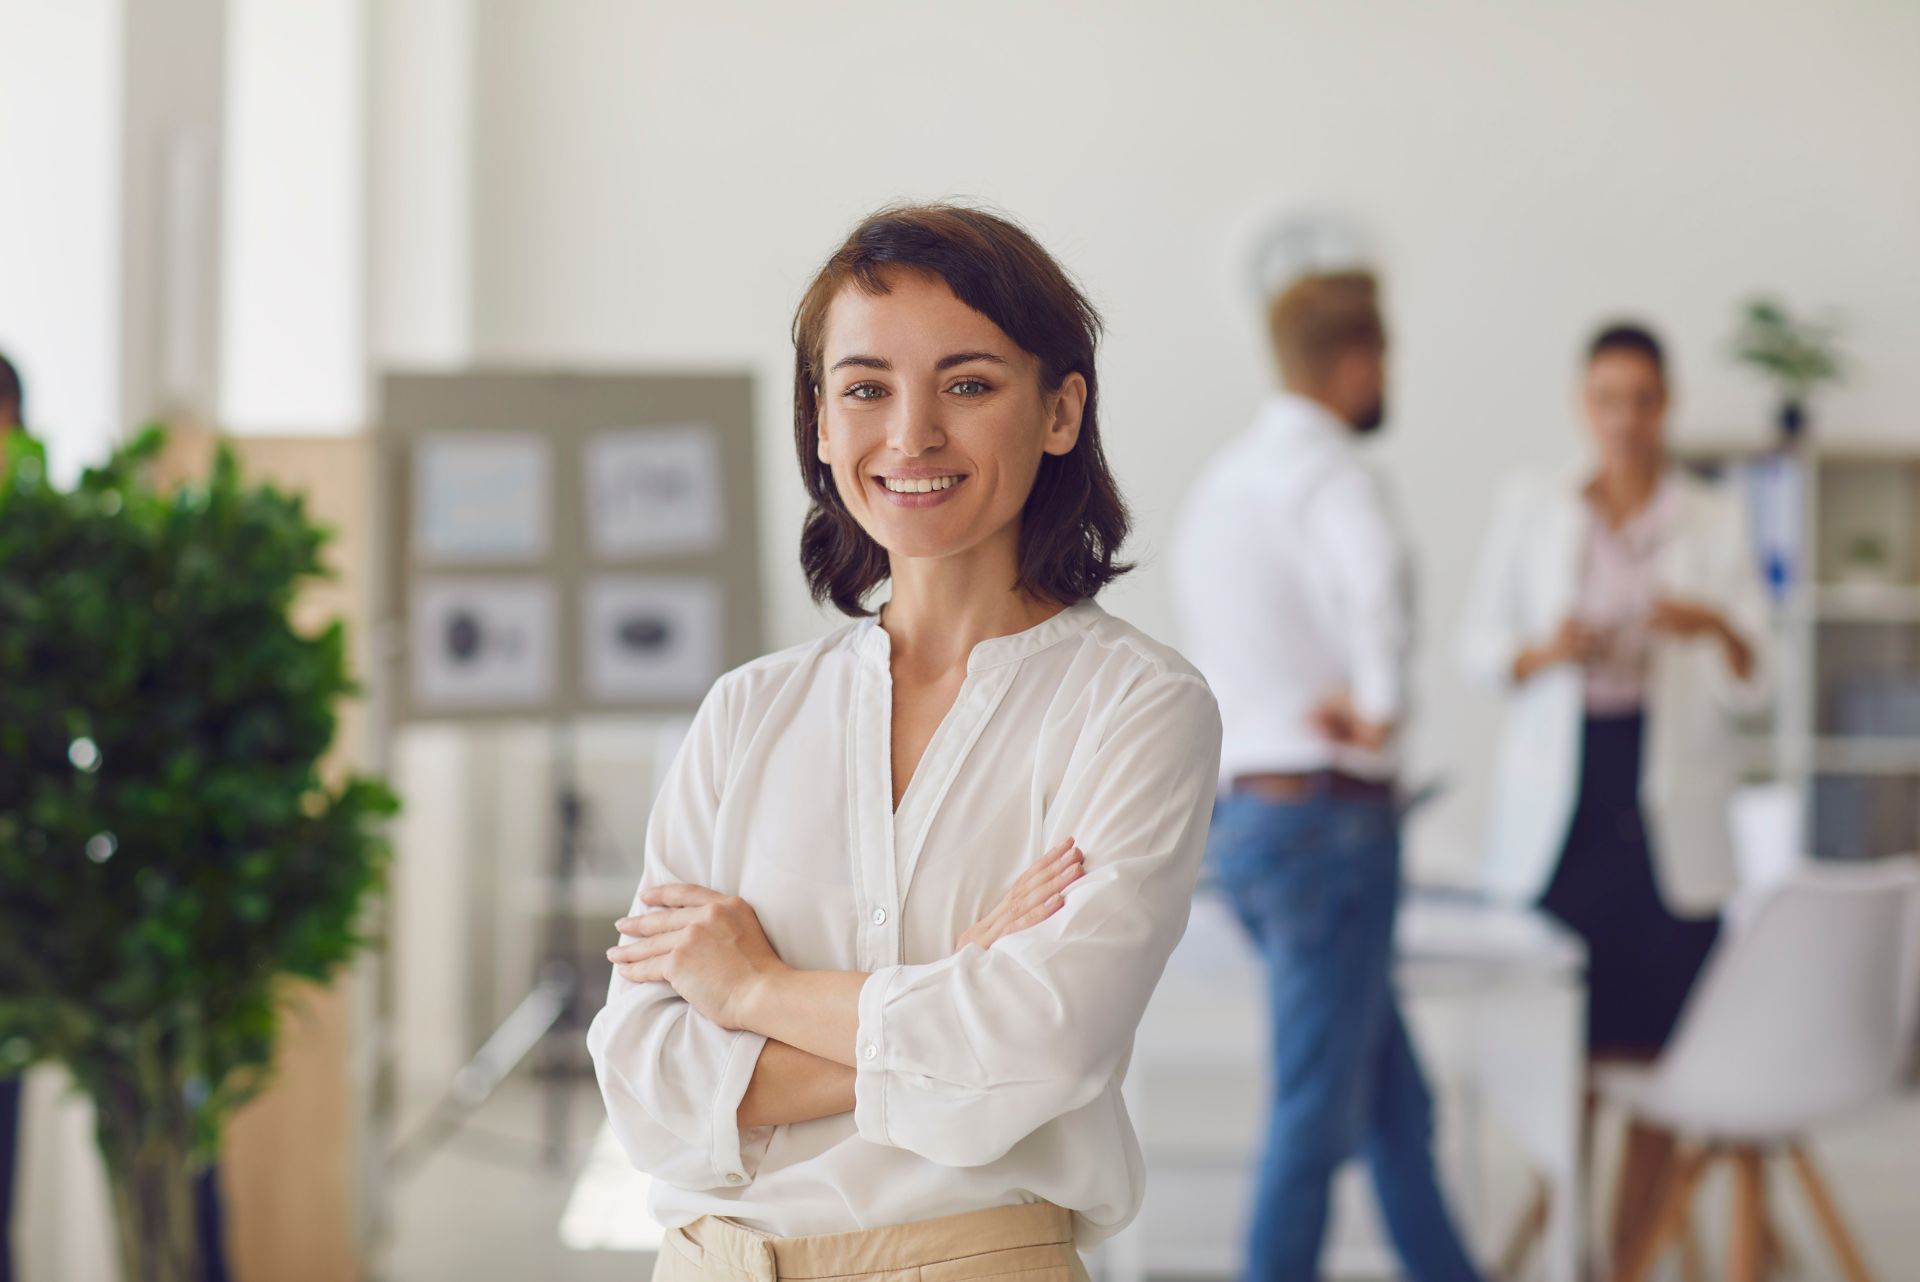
<point>919,498</point>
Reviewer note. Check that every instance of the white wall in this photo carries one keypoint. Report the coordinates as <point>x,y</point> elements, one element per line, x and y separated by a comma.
<point>655,183</point>
<point>293,285</point>
<point>168,308</point>
<point>420,198</point>
<point>60,99</point>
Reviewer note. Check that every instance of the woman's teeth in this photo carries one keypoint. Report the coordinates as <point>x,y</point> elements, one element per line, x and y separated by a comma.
<point>919,485</point>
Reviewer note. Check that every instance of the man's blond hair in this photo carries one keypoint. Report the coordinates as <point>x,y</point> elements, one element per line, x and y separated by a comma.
<point>1318,319</point>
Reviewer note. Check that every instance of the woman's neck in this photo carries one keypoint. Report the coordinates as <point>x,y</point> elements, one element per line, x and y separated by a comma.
<point>942,607</point>
<point>1622,488</point>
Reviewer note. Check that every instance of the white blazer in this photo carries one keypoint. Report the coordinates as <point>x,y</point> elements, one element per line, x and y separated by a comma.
<point>1527,583</point>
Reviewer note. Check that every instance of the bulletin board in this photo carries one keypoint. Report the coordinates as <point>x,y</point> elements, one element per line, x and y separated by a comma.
<point>562,543</point>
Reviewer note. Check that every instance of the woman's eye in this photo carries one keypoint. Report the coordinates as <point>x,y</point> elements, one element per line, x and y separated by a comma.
<point>865,392</point>
<point>971,387</point>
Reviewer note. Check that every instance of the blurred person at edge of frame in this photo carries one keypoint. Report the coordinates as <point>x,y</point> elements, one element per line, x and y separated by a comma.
<point>1620,611</point>
<point>13,405</point>
<point>1295,598</point>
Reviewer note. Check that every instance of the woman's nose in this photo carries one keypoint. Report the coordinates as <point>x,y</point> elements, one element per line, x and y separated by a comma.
<point>916,426</point>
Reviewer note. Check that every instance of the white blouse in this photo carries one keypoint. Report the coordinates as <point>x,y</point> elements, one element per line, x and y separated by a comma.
<point>984,1077</point>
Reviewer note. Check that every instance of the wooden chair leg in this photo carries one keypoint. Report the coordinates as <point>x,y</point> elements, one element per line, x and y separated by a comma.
<point>1744,1250</point>
<point>1647,1169</point>
<point>1824,1210</point>
<point>1527,1233</point>
<point>1775,1258</point>
<point>1641,1256</point>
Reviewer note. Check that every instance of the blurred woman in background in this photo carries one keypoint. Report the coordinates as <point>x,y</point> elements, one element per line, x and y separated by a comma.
<point>1621,612</point>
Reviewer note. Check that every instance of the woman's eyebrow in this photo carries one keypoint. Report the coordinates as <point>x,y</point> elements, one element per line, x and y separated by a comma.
<point>944,363</point>
<point>962,358</point>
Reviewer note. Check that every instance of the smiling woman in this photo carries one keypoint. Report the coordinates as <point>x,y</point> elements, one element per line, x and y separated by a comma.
<point>1024,346</point>
<point>855,1025</point>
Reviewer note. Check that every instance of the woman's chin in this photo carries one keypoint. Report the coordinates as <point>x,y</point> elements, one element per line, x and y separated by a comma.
<point>921,537</point>
<point>920,546</point>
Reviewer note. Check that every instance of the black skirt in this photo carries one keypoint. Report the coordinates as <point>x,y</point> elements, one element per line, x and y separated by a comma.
<point>1641,959</point>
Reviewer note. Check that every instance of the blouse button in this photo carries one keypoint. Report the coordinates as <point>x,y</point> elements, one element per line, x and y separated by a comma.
<point>879,916</point>
<point>734,1177</point>
<point>872,1050</point>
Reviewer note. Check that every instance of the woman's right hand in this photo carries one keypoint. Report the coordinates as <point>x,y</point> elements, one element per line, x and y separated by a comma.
<point>1574,643</point>
<point>1036,896</point>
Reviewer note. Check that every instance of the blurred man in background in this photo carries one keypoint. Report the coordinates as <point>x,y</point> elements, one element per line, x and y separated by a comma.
<point>1295,599</point>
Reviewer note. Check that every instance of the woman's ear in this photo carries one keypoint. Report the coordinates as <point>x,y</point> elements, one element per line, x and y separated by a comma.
<point>1067,404</point>
<point>819,425</point>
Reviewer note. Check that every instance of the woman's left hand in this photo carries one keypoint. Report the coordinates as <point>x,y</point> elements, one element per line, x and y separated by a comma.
<point>1680,618</point>
<point>709,946</point>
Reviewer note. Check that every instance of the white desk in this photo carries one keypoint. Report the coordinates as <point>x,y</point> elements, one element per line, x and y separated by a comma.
<point>1195,1088</point>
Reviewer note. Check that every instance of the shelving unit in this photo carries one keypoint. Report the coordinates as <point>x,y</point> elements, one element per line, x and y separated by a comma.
<point>1846,631</point>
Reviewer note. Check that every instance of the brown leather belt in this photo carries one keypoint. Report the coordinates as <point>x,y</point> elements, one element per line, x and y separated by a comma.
<point>1300,785</point>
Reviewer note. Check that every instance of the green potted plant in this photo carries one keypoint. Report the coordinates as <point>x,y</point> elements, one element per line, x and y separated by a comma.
<point>170,850</point>
<point>1795,355</point>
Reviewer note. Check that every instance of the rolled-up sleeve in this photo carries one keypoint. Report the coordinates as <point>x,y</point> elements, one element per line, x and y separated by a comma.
<point>672,1078</point>
<point>959,1060</point>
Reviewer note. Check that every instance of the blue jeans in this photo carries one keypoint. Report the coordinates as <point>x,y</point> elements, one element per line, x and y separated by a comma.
<point>1316,884</point>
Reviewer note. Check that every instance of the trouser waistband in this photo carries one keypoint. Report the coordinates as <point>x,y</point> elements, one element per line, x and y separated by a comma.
<point>762,1257</point>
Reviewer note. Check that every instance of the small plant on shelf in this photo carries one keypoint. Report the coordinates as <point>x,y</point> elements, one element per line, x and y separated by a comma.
<point>1794,354</point>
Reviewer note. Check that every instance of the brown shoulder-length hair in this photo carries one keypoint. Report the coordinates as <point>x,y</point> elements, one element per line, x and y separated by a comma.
<point>1074,520</point>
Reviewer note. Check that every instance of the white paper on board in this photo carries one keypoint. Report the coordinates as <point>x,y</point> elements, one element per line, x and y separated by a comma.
<point>651,639</point>
<point>482,496</point>
<point>481,644</point>
<point>652,490</point>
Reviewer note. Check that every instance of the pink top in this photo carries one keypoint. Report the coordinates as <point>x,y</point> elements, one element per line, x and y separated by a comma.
<point>1617,593</point>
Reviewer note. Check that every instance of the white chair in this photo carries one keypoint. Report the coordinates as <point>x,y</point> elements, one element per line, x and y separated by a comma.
<point>1768,824</point>
<point>1804,1012</point>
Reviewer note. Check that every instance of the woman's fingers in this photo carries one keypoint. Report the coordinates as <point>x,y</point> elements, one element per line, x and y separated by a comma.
<point>1063,872</point>
<point>1032,916</point>
<point>1035,895</point>
<point>1040,868</point>
<point>657,946</point>
<point>675,906</point>
<point>655,923</point>
<point>1040,913</point>
<point>1038,902</point>
<point>646,972</point>
<point>644,961</point>
<point>1060,866</point>
<point>679,895</point>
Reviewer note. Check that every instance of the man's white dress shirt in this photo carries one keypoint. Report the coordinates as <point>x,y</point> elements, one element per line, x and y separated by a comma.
<point>983,1077</point>
<point>1292,583</point>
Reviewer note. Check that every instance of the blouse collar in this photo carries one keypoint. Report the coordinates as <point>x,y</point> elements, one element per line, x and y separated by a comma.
<point>876,646</point>
<point>1647,528</point>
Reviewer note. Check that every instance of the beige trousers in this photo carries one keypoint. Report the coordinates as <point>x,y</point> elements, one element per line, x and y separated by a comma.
<point>1034,1240</point>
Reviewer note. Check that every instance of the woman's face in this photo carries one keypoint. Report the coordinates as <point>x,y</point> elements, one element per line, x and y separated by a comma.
<point>933,420</point>
<point>1625,398</point>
